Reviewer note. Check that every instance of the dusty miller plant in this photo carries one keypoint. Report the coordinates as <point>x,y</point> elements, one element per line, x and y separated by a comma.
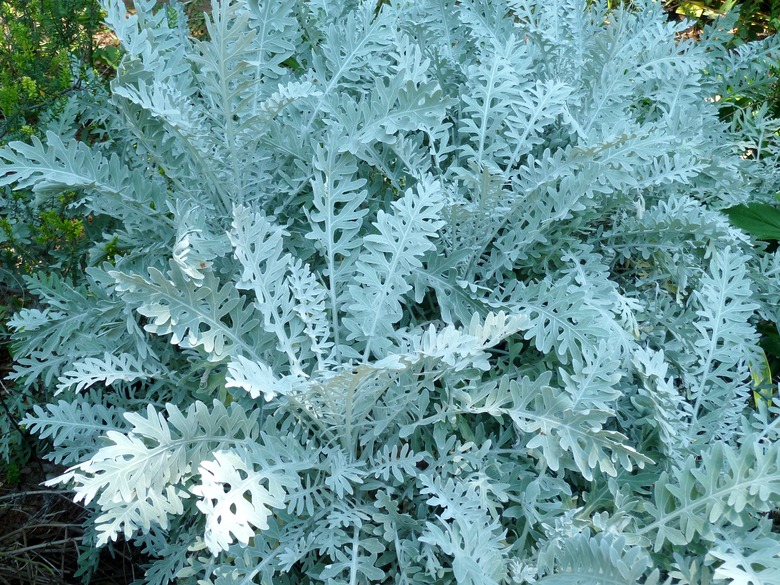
<point>415,292</point>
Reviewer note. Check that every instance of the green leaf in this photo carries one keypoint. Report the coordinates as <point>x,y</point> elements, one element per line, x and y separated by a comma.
<point>758,219</point>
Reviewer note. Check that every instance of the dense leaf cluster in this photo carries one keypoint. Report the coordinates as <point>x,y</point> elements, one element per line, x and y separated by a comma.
<point>425,292</point>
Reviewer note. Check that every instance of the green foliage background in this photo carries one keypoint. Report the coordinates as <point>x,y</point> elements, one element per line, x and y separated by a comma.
<point>42,44</point>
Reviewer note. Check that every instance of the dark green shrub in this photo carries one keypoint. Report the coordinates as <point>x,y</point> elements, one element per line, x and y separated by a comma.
<point>38,40</point>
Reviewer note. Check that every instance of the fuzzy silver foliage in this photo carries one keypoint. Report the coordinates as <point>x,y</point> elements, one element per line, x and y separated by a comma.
<point>416,292</point>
